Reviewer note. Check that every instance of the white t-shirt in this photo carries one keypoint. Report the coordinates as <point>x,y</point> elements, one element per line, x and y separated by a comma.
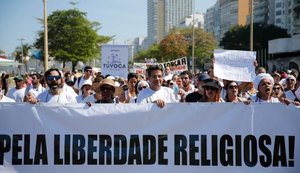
<point>36,91</point>
<point>62,98</point>
<point>168,77</point>
<point>69,90</point>
<point>81,81</point>
<point>132,99</point>
<point>90,98</point>
<point>6,99</point>
<point>16,94</point>
<point>257,99</point>
<point>149,96</point>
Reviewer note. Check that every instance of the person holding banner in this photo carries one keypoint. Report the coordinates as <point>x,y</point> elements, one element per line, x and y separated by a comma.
<point>278,92</point>
<point>264,83</point>
<point>212,89</point>
<point>86,90</point>
<point>232,89</point>
<point>198,95</point>
<point>108,90</point>
<point>156,93</point>
<point>56,92</point>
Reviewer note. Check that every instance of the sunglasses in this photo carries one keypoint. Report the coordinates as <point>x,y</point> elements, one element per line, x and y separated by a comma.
<point>89,71</point>
<point>290,79</point>
<point>107,89</point>
<point>276,88</point>
<point>171,84</point>
<point>210,88</point>
<point>51,78</point>
<point>141,88</point>
<point>233,87</point>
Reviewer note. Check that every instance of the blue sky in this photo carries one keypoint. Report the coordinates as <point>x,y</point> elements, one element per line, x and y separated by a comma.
<point>126,19</point>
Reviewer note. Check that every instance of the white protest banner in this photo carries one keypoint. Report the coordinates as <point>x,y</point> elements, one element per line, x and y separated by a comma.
<point>234,65</point>
<point>176,66</point>
<point>115,60</point>
<point>195,137</point>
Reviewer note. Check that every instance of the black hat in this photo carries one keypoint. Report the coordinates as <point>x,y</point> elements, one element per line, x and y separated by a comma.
<point>211,83</point>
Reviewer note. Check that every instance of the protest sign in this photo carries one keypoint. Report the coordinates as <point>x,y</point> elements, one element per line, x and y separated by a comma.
<point>115,60</point>
<point>234,65</point>
<point>176,66</point>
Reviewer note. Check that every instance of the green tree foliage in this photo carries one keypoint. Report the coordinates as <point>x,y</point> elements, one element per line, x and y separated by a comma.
<point>71,37</point>
<point>178,43</point>
<point>238,37</point>
<point>151,53</point>
<point>205,44</point>
<point>173,46</point>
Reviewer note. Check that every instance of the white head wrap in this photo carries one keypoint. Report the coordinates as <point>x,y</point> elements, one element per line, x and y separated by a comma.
<point>261,76</point>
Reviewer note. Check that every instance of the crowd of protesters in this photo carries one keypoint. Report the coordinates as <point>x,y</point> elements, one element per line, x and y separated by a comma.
<point>157,86</point>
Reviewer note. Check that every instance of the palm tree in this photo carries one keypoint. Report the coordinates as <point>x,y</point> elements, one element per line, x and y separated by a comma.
<point>22,50</point>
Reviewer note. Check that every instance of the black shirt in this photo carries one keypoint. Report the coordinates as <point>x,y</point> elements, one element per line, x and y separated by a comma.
<point>193,97</point>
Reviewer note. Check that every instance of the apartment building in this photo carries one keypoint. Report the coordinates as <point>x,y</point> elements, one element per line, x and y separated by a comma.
<point>163,15</point>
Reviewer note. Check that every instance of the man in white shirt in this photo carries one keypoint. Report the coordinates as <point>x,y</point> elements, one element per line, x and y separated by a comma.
<point>17,93</point>
<point>156,93</point>
<point>36,87</point>
<point>56,93</point>
<point>168,75</point>
<point>88,75</point>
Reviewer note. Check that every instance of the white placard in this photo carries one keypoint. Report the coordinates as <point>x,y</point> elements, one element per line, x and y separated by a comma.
<point>234,65</point>
<point>115,60</point>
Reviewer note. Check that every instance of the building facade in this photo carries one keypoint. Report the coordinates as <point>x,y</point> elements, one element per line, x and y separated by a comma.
<point>212,21</point>
<point>296,17</point>
<point>261,11</point>
<point>233,12</point>
<point>163,15</point>
<point>226,14</point>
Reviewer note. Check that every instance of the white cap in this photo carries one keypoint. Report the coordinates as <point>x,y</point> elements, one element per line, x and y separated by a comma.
<point>87,82</point>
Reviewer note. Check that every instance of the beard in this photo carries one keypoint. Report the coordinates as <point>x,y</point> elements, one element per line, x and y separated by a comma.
<point>55,85</point>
